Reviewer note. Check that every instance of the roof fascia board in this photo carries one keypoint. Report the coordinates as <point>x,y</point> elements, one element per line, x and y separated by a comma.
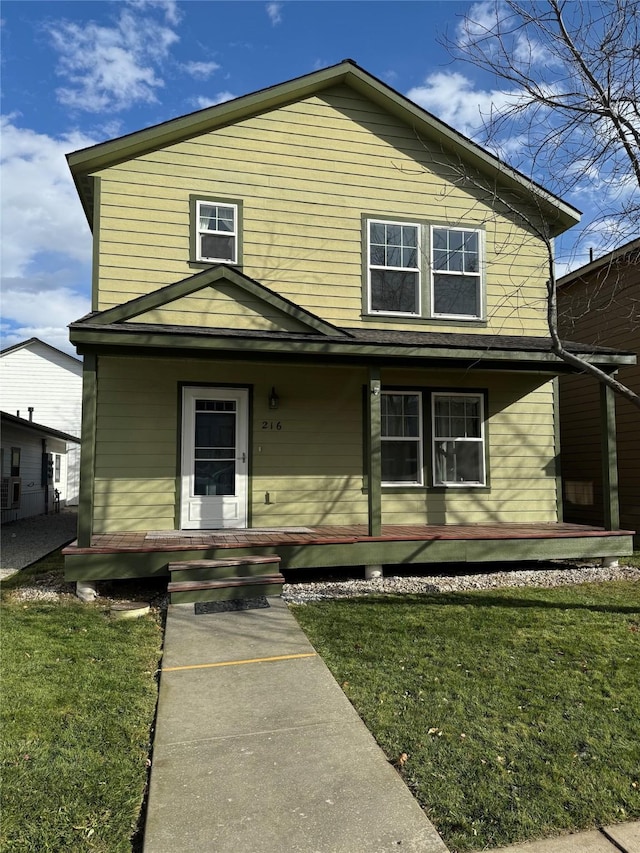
<point>121,337</point>
<point>206,278</point>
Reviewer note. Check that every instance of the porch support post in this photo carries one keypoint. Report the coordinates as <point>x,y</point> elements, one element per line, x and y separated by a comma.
<point>609,455</point>
<point>88,449</point>
<point>374,457</point>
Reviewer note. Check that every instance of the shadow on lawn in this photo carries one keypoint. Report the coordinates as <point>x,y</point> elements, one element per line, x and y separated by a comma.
<point>463,599</point>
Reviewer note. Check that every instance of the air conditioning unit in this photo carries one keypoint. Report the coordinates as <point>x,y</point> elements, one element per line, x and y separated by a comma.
<point>10,492</point>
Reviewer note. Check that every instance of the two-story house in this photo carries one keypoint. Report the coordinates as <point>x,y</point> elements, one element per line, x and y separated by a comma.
<point>318,335</point>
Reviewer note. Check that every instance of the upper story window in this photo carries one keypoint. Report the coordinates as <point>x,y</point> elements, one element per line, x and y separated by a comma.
<point>215,230</point>
<point>217,225</point>
<point>421,271</point>
<point>394,267</point>
<point>455,272</point>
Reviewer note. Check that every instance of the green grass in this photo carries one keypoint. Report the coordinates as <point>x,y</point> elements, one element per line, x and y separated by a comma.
<point>78,701</point>
<point>512,714</point>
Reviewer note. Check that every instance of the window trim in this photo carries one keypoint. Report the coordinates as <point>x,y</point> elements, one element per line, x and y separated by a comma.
<point>425,287</point>
<point>195,200</point>
<point>385,220</point>
<point>419,439</point>
<point>479,275</point>
<point>482,440</point>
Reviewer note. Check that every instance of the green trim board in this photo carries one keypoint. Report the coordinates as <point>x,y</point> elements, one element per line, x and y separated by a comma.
<point>82,163</point>
<point>99,566</point>
<point>209,278</point>
<point>95,259</point>
<point>610,501</point>
<point>88,455</point>
<point>374,452</point>
<point>558,449</point>
<point>88,334</point>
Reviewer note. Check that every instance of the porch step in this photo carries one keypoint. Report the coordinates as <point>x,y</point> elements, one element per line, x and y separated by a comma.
<point>224,580</point>
<point>209,570</point>
<point>226,589</point>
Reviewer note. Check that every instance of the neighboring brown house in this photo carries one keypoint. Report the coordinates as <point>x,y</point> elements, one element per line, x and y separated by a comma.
<point>596,303</point>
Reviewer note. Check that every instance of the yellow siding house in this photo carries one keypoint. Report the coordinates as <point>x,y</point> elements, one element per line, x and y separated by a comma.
<point>318,337</point>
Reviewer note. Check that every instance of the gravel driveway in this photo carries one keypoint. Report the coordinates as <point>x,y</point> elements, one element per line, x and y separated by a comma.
<point>25,541</point>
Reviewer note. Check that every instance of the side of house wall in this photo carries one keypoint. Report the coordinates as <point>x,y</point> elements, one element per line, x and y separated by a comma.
<point>309,455</point>
<point>604,309</point>
<point>306,175</point>
<point>39,376</point>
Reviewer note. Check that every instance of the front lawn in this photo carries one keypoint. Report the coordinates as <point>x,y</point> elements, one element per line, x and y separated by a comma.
<point>512,714</point>
<point>78,703</point>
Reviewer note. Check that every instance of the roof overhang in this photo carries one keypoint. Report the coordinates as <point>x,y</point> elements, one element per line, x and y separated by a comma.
<point>442,350</point>
<point>39,429</point>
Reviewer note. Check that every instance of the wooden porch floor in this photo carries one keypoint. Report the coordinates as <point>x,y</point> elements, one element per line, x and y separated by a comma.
<point>184,540</point>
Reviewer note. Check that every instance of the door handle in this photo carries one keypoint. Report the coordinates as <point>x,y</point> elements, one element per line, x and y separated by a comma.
<point>244,457</point>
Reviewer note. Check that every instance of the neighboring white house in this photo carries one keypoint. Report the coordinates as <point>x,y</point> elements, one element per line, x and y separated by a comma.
<point>42,384</point>
<point>30,457</point>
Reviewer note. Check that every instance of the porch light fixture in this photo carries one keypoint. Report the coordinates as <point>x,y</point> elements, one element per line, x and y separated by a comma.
<point>274,400</point>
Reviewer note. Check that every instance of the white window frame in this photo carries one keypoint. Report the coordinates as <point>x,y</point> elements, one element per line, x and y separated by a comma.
<point>417,269</point>
<point>467,484</point>
<point>200,231</point>
<point>419,440</point>
<point>479,275</point>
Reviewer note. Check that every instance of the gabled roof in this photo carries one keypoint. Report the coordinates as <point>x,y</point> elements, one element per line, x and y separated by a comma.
<point>88,160</point>
<point>30,342</point>
<point>160,298</point>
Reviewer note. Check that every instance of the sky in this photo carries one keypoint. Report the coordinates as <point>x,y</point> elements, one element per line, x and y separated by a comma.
<point>78,73</point>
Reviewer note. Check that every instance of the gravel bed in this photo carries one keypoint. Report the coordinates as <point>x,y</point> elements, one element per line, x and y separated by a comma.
<point>25,541</point>
<point>549,575</point>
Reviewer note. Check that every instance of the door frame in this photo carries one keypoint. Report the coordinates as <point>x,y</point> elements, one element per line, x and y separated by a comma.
<point>245,402</point>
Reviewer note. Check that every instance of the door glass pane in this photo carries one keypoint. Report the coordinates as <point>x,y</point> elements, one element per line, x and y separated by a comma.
<point>215,447</point>
<point>214,478</point>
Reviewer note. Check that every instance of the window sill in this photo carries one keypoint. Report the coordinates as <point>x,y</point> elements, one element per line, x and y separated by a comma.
<point>426,321</point>
<point>205,265</point>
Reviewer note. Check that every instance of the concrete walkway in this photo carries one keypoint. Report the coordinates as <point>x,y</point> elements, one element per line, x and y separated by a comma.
<point>258,750</point>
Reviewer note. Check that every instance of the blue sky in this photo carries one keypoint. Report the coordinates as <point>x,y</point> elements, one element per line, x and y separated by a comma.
<point>77,73</point>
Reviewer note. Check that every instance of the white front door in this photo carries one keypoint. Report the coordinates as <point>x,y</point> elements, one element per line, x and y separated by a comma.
<point>214,457</point>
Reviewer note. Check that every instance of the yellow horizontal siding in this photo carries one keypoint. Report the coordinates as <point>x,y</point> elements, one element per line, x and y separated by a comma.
<point>306,172</point>
<point>313,465</point>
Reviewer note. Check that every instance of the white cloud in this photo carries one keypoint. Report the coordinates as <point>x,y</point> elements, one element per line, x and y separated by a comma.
<point>273,11</point>
<point>201,70</point>
<point>203,102</point>
<point>112,68</point>
<point>452,97</point>
<point>32,309</point>
<point>40,207</point>
<point>45,240</point>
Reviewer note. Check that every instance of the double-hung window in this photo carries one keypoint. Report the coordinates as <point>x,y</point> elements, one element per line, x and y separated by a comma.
<point>456,272</point>
<point>401,438</point>
<point>216,232</point>
<point>393,267</point>
<point>458,439</point>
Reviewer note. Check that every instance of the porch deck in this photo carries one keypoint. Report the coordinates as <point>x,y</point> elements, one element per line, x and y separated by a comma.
<point>147,553</point>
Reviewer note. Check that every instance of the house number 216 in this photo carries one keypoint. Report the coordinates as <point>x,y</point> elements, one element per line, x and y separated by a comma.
<point>271,424</point>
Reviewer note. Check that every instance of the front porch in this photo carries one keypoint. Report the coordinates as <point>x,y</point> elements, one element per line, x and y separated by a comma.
<point>148,553</point>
